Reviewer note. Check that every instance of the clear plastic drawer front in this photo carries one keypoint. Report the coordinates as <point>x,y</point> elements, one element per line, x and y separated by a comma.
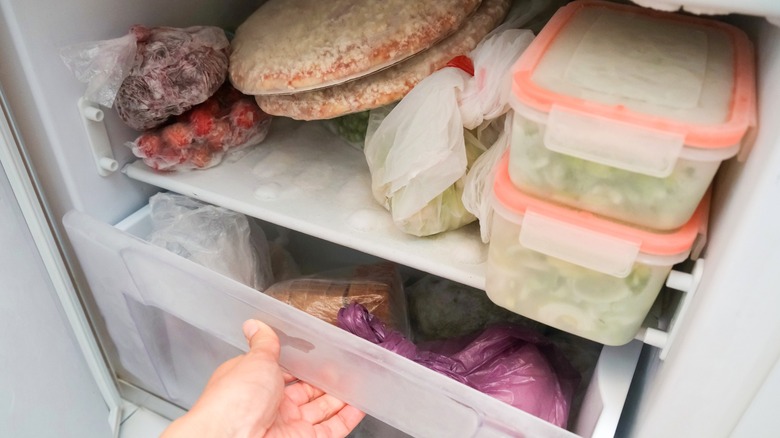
<point>171,322</point>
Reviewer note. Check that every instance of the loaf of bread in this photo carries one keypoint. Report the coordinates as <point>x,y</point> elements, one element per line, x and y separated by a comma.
<point>377,287</point>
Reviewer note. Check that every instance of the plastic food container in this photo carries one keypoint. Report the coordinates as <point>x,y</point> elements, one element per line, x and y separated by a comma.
<point>629,112</point>
<point>577,271</point>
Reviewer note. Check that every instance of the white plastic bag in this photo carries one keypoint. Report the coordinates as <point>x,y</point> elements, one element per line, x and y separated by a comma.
<point>418,153</point>
<point>419,146</point>
<point>479,180</point>
<point>219,239</point>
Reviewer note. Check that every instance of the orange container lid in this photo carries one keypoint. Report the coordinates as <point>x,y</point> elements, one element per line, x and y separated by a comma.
<point>649,241</point>
<point>741,109</point>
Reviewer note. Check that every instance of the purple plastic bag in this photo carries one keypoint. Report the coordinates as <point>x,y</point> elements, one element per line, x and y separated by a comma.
<point>510,363</point>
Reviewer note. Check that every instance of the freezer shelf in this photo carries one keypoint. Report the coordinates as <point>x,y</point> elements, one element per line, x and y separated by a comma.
<point>305,178</point>
<point>171,322</point>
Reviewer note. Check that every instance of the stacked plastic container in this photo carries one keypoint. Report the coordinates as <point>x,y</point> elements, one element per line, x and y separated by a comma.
<point>622,117</point>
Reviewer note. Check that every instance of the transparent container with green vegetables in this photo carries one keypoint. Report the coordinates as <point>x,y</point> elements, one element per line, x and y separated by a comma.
<point>576,271</point>
<point>629,112</point>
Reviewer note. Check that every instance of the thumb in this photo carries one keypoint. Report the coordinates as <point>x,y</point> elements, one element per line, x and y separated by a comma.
<point>261,338</point>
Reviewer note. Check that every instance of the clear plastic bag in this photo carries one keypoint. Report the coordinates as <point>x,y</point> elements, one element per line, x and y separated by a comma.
<point>378,287</point>
<point>510,363</point>
<point>219,239</point>
<point>417,155</point>
<point>228,122</point>
<point>152,73</point>
<point>478,183</point>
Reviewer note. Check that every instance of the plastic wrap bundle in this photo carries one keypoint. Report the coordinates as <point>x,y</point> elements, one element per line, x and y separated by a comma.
<point>200,138</point>
<point>510,363</point>
<point>421,152</point>
<point>152,73</point>
<point>219,239</point>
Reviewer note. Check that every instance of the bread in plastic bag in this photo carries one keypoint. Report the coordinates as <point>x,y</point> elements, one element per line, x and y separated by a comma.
<point>219,239</point>
<point>152,73</point>
<point>226,123</point>
<point>377,287</point>
<point>418,157</point>
<point>513,364</point>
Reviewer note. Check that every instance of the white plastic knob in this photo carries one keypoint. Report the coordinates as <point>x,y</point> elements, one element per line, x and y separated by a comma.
<point>92,113</point>
<point>109,164</point>
<point>680,281</point>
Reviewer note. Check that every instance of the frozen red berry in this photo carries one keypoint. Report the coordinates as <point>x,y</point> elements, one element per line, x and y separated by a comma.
<point>220,136</point>
<point>177,135</point>
<point>245,114</point>
<point>201,121</point>
<point>200,157</point>
<point>171,156</point>
<point>149,144</point>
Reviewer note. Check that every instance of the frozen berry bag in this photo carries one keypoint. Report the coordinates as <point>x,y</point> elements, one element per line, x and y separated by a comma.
<point>152,73</point>
<point>200,138</point>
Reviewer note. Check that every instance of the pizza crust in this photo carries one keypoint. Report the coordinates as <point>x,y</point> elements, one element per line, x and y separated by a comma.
<point>296,45</point>
<point>389,85</point>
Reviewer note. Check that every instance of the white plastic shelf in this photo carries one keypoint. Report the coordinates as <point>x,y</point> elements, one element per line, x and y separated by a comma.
<point>305,178</point>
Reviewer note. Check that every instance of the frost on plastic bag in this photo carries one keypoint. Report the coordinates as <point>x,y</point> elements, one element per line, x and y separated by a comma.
<point>419,155</point>
<point>507,362</point>
<point>219,239</point>
<point>227,122</point>
<point>152,73</point>
<point>378,287</point>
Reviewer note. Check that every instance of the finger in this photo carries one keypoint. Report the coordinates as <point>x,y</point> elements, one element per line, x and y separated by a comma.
<point>341,424</point>
<point>261,338</point>
<point>321,408</point>
<point>288,377</point>
<point>301,393</point>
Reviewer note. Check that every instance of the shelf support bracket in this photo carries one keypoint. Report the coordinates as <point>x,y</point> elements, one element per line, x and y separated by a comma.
<point>92,119</point>
<point>683,282</point>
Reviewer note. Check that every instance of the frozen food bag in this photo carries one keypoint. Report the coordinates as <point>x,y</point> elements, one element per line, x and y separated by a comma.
<point>217,238</point>
<point>442,309</point>
<point>225,124</point>
<point>513,364</point>
<point>152,73</point>
<point>391,84</point>
<point>283,264</point>
<point>378,287</point>
<point>419,155</point>
<point>288,46</point>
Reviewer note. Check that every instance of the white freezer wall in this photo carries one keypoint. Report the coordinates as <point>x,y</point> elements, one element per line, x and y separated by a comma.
<point>730,342</point>
<point>45,383</point>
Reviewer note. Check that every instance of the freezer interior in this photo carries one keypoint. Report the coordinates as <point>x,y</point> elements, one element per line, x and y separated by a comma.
<point>307,180</point>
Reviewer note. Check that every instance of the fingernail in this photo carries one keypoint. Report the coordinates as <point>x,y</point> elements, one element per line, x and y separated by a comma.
<point>251,326</point>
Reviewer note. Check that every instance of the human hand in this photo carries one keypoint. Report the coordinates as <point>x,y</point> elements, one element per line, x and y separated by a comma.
<point>250,396</point>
